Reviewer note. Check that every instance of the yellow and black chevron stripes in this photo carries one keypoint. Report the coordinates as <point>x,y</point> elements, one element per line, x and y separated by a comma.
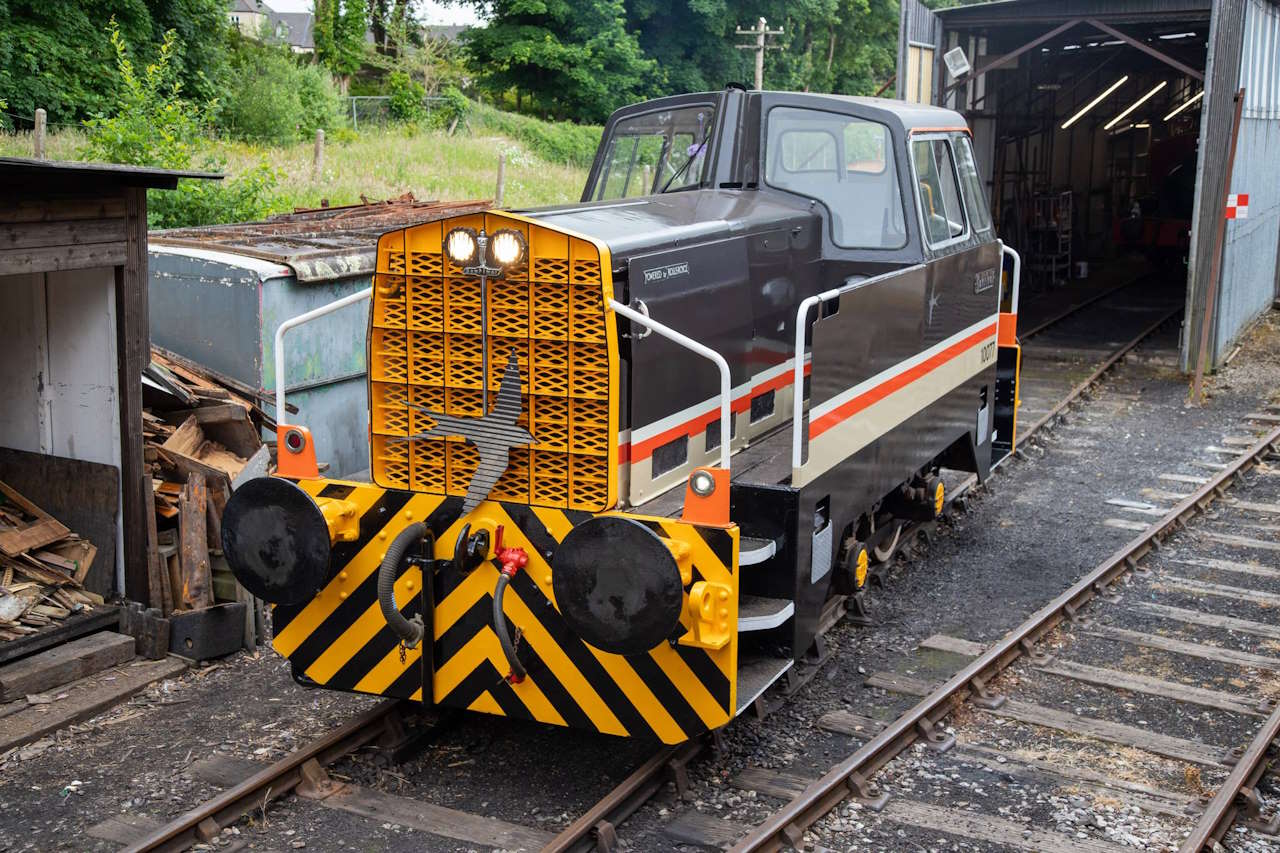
<point>671,693</point>
<point>340,640</point>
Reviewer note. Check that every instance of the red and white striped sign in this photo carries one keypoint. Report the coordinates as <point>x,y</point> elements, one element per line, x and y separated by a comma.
<point>1238,206</point>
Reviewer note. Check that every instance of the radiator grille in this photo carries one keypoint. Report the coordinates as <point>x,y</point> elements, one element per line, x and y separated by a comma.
<point>425,349</point>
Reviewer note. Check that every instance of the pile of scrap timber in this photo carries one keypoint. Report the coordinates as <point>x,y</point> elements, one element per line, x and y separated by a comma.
<point>42,568</point>
<point>201,437</point>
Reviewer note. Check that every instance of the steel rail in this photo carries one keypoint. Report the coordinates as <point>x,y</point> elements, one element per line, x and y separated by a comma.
<point>1093,377</point>
<point>596,827</point>
<point>786,826</point>
<point>1223,808</point>
<point>209,818</point>
<point>1097,297</point>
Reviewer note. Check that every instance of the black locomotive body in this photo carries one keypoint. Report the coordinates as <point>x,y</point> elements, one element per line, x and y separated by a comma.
<point>823,268</point>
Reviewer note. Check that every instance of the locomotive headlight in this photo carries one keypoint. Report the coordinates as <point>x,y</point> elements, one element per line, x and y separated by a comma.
<point>460,245</point>
<point>506,247</point>
<point>702,483</point>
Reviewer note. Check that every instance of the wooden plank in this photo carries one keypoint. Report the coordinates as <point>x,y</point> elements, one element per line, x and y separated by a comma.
<point>1211,620</point>
<point>197,580</point>
<point>1124,524</point>
<point>1239,593</point>
<point>62,664</point>
<point>1240,541</point>
<point>222,770</point>
<point>437,820</point>
<point>1182,647</point>
<point>53,258</point>
<point>989,829</point>
<point>849,723</point>
<point>772,783</point>
<point>43,530</point>
<point>133,354</point>
<point>46,209</point>
<point>1227,566</point>
<point>85,698</point>
<point>1027,712</point>
<point>1139,683</point>
<point>1179,749</point>
<point>159,590</point>
<point>1263,417</point>
<point>955,645</point>
<point>124,829</point>
<point>704,830</point>
<point>1184,478</point>
<point>69,232</point>
<point>78,625</point>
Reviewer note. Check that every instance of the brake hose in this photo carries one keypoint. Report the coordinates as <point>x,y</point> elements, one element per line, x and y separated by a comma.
<point>410,631</point>
<point>512,560</point>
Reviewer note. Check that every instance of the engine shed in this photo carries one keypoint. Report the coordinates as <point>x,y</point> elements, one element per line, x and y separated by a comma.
<point>1092,122</point>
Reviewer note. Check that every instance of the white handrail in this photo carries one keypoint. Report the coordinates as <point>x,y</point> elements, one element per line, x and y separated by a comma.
<point>1017,275</point>
<point>726,389</point>
<point>797,382</point>
<point>329,308</point>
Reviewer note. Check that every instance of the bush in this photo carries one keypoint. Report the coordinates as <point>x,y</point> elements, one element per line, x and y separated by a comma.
<point>272,99</point>
<point>151,124</point>
<point>453,108</point>
<point>562,142</point>
<point>406,97</point>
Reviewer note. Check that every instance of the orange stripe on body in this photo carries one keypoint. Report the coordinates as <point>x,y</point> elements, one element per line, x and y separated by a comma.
<point>850,408</point>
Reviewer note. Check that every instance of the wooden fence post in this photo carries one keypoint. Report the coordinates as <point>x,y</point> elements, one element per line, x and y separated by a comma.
<point>317,159</point>
<point>500,189</point>
<point>37,138</point>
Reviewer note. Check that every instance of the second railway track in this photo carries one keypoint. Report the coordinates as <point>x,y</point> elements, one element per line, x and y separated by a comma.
<point>1066,357</point>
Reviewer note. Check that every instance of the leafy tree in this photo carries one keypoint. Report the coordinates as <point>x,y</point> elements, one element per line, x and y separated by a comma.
<point>339,30</point>
<point>272,98</point>
<point>56,54</point>
<point>575,59</point>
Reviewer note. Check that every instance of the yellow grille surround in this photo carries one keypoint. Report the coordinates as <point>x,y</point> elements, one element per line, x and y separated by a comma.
<point>425,350</point>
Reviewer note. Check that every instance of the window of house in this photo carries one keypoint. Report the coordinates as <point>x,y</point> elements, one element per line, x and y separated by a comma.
<point>844,162</point>
<point>938,191</point>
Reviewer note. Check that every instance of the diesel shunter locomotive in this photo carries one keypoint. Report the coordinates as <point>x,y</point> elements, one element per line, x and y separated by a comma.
<point>623,452</point>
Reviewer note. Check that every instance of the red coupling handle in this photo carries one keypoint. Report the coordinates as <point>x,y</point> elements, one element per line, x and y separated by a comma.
<point>512,559</point>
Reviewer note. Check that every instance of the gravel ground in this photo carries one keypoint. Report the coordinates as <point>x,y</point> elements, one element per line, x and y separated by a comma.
<point>1038,528</point>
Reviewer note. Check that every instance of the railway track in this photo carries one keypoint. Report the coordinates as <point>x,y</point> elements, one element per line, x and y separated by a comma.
<point>1076,363</point>
<point>1150,570</point>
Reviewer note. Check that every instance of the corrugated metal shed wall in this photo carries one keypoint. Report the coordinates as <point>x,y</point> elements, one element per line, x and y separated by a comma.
<point>1226,36</point>
<point>1249,262</point>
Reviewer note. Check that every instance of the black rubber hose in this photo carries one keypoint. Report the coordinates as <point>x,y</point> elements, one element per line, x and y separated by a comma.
<point>411,632</point>
<point>518,671</point>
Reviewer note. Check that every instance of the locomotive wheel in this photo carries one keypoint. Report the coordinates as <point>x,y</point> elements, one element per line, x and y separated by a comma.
<point>937,494</point>
<point>853,570</point>
<point>884,552</point>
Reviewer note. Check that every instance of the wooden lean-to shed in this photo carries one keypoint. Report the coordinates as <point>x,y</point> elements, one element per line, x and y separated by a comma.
<point>74,341</point>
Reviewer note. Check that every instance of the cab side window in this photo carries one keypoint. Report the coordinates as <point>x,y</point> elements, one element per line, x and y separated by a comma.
<point>844,162</point>
<point>975,195</point>
<point>938,191</point>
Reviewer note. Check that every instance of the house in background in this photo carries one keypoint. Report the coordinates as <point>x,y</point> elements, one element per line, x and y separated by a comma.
<point>296,29</point>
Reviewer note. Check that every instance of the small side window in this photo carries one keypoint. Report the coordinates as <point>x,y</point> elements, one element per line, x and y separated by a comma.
<point>938,191</point>
<point>975,195</point>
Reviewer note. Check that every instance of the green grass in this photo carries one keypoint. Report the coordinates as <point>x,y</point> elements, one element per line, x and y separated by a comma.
<point>386,162</point>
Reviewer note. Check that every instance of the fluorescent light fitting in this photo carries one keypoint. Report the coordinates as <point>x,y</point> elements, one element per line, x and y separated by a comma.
<point>1185,104</point>
<point>1171,36</point>
<point>1143,124</point>
<point>1075,118</point>
<point>1136,104</point>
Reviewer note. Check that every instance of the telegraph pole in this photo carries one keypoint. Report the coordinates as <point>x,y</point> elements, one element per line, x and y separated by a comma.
<point>760,31</point>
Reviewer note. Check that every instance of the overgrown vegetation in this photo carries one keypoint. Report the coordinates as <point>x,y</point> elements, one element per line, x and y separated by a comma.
<point>271,98</point>
<point>150,123</point>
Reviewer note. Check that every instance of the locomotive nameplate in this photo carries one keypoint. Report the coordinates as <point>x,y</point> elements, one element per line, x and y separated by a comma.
<point>984,280</point>
<point>663,273</point>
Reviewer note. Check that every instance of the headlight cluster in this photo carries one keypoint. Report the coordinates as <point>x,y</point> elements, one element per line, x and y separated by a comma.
<point>502,249</point>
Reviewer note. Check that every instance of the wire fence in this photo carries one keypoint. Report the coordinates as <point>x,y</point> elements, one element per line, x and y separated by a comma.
<point>376,109</point>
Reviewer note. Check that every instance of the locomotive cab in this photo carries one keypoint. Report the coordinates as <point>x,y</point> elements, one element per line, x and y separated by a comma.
<point>630,456</point>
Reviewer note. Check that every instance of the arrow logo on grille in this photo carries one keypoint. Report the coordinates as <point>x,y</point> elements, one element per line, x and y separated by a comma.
<point>493,435</point>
